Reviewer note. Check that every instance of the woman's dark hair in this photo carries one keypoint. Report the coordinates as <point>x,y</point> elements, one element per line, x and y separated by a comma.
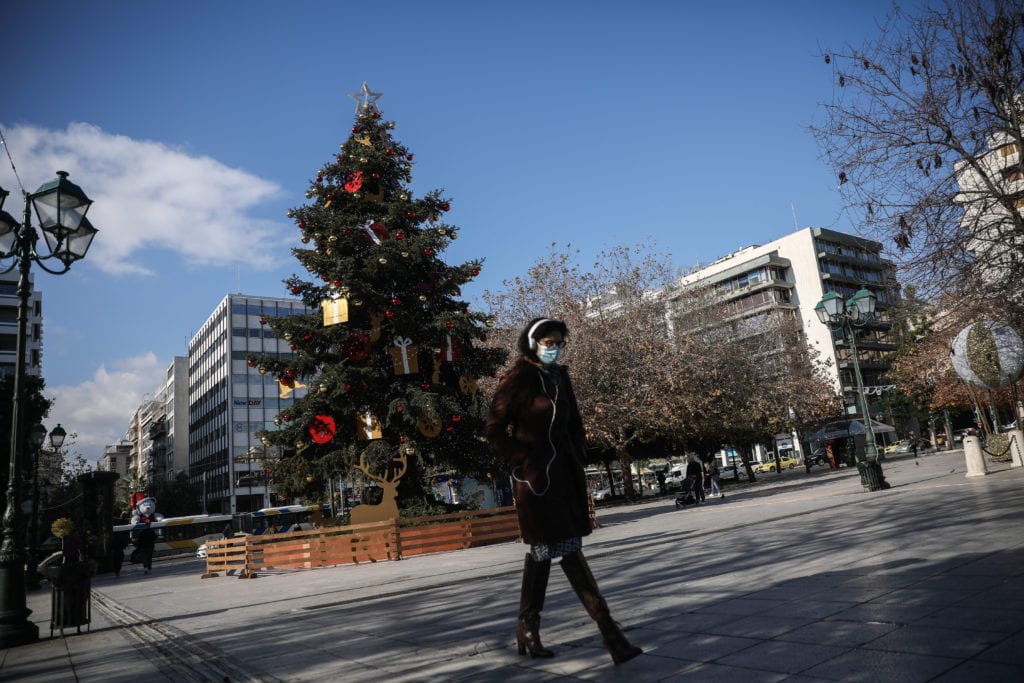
<point>545,328</point>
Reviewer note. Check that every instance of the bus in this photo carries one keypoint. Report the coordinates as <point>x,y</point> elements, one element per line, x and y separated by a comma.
<point>175,535</point>
<point>281,519</point>
<point>183,535</point>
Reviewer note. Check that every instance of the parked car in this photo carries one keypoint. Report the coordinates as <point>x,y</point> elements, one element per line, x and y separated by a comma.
<point>785,462</point>
<point>602,494</point>
<point>906,446</point>
<point>732,473</point>
<point>818,457</point>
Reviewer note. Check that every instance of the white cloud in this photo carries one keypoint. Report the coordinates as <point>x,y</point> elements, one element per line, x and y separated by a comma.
<point>99,409</point>
<point>147,195</point>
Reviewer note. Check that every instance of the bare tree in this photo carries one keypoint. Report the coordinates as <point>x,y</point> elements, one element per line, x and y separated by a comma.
<point>924,132</point>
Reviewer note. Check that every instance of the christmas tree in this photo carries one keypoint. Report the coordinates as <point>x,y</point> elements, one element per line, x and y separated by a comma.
<point>383,374</point>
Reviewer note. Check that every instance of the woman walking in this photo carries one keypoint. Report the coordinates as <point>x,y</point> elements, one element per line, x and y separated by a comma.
<point>535,424</point>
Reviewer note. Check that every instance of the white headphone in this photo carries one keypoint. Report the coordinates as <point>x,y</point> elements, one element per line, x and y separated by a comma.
<point>533,328</point>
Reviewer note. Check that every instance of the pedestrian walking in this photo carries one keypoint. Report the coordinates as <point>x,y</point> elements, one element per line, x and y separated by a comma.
<point>695,472</point>
<point>535,424</point>
<point>146,544</point>
<point>714,473</point>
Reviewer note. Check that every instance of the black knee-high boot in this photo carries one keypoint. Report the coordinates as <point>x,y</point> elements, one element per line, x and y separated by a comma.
<point>578,572</point>
<point>531,602</point>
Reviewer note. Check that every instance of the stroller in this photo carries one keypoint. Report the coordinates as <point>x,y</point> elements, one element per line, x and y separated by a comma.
<point>686,496</point>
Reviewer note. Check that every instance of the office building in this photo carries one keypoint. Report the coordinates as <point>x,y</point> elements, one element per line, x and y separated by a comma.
<point>9,326</point>
<point>229,402</point>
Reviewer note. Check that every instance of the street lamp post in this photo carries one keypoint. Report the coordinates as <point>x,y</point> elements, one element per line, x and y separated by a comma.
<point>38,436</point>
<point>60,207</point>
<point>846,316</point>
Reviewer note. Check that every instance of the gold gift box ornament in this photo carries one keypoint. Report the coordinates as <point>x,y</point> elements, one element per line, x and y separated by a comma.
<point>368,426</point>
<point>335,310</point>
<point>404,356</point>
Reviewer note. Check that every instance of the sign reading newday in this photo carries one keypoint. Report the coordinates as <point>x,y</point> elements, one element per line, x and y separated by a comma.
<point>243,402</point>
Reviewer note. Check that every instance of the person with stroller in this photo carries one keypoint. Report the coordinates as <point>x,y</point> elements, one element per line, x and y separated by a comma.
<point>534,423</point>
<point>695,473</point>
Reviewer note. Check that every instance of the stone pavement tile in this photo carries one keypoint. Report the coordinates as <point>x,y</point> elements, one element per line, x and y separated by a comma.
<point>686,622</point>
<point>838,633</point>
<point>1007,651</point>
<point>926,640</point>
<point>762,626</point>
<point>742,606</point>
<point>968,584</point>
<point>885,612</point>
<point>989,672</point>
<point>1008,594</point>
<point>647,668</point>
<point>965,616</point>
<point>781,656</point>
<point>817,608</point>
<point>726,674</point>
<point>569,661</point>
<point>922,596</point>
<point>871,667</point>
<point>698,647</point>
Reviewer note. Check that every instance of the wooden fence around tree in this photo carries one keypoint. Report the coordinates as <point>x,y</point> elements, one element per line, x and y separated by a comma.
<point>389,540</point>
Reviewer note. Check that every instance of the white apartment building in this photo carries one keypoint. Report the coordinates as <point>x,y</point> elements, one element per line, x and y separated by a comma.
<point>790,275</point>
<point>229,401</point>
<point>9,326</point>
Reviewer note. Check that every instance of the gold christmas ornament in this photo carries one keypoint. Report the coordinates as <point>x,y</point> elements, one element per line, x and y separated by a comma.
<point>390,125</point>
<point>290,214</point>
<point>332,238</point>
<point>357,302</point>
<point>489,322</point>
<point>382,260</point>
<point>322,388</point>
<point>442,231</point>
<point>266,442</point>
<point>305,239</point>
<point>410,450</point>
<point>310,267</point>
<point>405,254</point>
<point>362,160</point>
<point>329,251</point>
<point>309,194</point>
<point>287,336</point>
<point>262,370</point>
<point>317,236</point>
<point>423,297</point>
<point>453,235</point>
<point>357,195</point>
<point>277,421</point>
<point>404,197</point>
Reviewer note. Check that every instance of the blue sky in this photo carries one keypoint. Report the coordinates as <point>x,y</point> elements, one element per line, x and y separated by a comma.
<point>195,126</point>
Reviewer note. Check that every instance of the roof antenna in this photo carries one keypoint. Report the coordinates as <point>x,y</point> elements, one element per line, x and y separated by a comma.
<point>795,223</point>
<point>239,266</point>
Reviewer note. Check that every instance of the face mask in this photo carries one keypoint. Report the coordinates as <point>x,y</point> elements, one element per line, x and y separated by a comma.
<point>549,354</point>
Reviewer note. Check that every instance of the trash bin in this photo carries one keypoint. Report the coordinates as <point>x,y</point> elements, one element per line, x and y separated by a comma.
<point>71,594</point>
<point>871,475</point>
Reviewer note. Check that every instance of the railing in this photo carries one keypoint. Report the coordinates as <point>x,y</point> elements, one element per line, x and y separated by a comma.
<point>389,540</point>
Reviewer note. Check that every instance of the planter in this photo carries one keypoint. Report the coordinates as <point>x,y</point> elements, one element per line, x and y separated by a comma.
<point>71,593</point>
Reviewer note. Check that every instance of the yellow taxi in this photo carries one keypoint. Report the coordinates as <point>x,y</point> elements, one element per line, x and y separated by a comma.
<point>785,462</point>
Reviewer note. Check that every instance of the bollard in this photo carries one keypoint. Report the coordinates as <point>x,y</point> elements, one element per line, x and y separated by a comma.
<point>975,457</point>
<point>1016,437</point>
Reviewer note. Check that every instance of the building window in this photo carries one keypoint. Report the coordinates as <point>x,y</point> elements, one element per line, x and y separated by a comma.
<point>1007,150</point>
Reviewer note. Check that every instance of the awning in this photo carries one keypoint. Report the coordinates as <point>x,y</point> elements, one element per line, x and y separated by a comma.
<point>842,429</point>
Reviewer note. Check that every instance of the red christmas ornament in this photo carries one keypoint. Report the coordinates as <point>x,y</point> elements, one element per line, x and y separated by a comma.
<point>410,214</point>
<point>389,313</point>
<point>449,324</point>
<point>346,386</point>
<point>346,231</point>
<point>290,374</point>
<point>428,251</point>
<point>326,279</point>
<point>400,408</point>
<point>389,151</point>
<point>425,386</point>
<point>401,439</point>
<point>263,321</point>
<point>319,177</point>
<point>252,363</point>
<point>302,225</point>
<point>286,417</point>
<point>396,301</point>
<point>446,206</point>
<point>409,157</point>
<point>337,283</point>
<point>355,181</point>
<point>293,347</point>
<point>456,418</point>
<point>295,290</point>
<point>307,336</point>
<point>355,129</point>
<point>375,175</point>
<point>330,196</point>
<point>399,235</point>
<point>449,428</point>
<point>375,115</point>
<point>476,271</point>
<point>322,428</point>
